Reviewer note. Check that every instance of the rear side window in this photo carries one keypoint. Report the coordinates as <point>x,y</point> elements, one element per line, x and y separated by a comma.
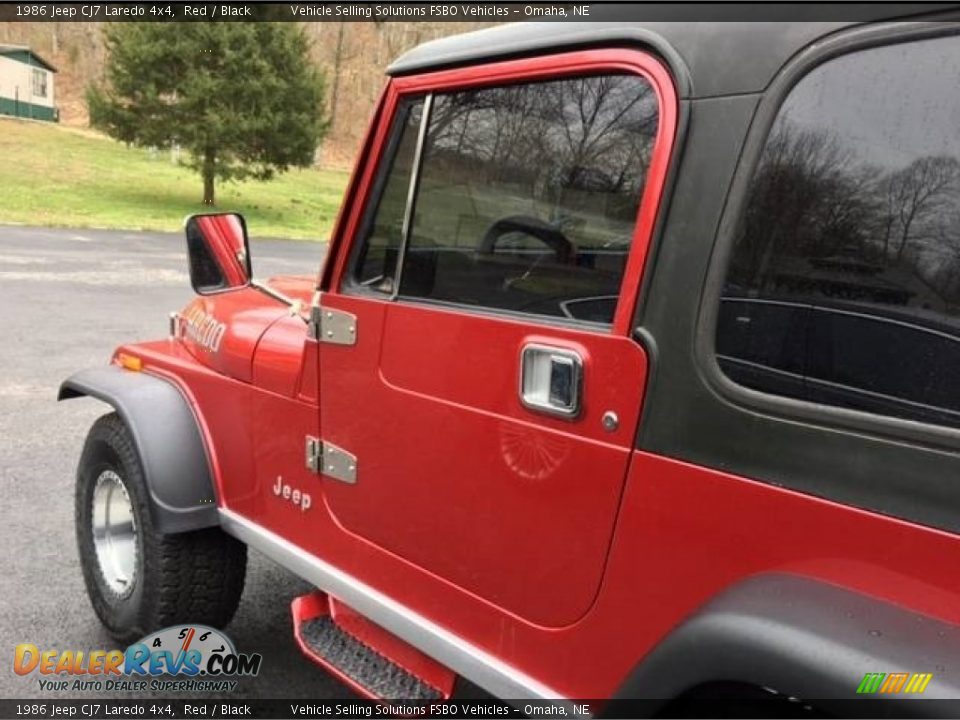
<point>844,285</point>
<point>526,197</point>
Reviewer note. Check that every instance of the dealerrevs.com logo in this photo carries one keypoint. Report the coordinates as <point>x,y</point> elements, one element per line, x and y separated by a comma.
<point>202,656</point>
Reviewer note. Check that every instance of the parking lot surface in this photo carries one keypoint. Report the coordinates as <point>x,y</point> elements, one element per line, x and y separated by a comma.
<point>67,298</point>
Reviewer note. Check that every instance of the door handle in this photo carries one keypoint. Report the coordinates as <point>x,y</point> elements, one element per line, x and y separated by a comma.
<point>551,380</point>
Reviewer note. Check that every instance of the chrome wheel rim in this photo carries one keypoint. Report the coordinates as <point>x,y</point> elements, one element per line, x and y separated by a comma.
<point>114,533</point>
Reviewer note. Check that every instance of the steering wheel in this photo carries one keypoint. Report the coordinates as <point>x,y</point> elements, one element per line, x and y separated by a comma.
<point>543,231</point>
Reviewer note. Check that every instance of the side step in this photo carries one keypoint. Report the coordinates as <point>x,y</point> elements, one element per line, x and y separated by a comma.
<point>375,663</point>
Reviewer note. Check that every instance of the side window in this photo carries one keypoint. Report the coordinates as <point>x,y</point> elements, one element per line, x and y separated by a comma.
<point>527,197</point>
<point>844,286</point>
<point>382,231</point>
<point>39,83</point>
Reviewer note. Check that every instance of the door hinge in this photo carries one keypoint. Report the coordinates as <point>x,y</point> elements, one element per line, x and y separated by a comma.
<point>329,325</point>
<point>326,458</point>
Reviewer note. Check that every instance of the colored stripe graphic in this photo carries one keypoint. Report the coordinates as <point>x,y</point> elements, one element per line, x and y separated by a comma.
<point>918,683</point>
<point>892,683</point>
<point>870,683</point>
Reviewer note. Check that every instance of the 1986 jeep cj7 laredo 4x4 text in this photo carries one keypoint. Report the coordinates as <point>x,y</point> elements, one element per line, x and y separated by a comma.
<point>631,369</point>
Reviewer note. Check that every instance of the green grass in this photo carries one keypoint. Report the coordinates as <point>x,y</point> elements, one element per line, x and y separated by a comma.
<point>52,175</point>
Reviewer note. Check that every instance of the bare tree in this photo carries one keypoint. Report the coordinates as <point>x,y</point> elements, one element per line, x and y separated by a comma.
<point>808,198</point>
<point>915,192</point>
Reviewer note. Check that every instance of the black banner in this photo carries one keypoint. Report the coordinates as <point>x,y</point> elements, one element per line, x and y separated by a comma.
<point>446,11</point>
<point>234,709</point>
<point>308,709</point>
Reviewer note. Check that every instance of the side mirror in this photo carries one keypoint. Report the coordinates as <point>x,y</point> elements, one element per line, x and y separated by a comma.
<point>219,252</point>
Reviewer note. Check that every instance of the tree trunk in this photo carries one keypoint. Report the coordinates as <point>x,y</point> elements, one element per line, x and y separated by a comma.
<point>207,172</point>
<point>337,64</point>
<point>886,241</point>
<point>905,238</point>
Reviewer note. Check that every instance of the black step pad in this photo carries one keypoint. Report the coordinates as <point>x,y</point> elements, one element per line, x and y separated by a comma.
<point>362,664</point>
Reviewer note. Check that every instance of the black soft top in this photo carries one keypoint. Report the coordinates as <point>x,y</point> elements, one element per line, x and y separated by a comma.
<point>707,58</point>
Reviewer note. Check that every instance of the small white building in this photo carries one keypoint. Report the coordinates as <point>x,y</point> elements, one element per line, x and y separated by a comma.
<point>26,84</point>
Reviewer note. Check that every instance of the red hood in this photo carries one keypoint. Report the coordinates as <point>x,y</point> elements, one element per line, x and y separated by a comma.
<point>297,287</point>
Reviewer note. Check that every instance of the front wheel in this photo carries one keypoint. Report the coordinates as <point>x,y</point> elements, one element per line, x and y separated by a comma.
<point>139,580</point>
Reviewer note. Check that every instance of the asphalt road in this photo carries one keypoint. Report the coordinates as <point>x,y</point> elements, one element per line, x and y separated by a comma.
<point>67,298</point>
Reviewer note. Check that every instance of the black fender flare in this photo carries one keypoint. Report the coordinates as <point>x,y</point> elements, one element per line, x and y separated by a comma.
<point>805,639</point>
<point>168,441</point>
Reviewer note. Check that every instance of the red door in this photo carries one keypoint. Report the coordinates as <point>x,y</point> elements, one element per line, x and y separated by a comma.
<point>492,391</point>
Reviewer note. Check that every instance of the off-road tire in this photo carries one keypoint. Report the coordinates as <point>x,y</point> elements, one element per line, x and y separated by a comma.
<point>190,577</point>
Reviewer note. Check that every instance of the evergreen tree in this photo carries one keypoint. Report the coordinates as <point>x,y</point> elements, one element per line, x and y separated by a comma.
<point>242,98</point>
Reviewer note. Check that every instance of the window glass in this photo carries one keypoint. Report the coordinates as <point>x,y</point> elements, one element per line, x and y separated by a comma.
<point>844,286</point>
<point>39,83</point>
<point>383,229</point>
<point>528,195</point>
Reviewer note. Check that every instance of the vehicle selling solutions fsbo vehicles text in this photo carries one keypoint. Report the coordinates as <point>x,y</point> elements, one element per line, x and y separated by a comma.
<point>354,11</point>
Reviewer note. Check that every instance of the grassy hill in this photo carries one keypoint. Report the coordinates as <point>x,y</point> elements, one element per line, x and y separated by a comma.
<point>53,175</point>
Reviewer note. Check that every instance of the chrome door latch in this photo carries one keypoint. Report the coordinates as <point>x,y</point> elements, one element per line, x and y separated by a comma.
<point>325,458</point>
<point>551,380</point>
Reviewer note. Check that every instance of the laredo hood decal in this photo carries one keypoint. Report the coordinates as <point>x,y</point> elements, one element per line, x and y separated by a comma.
<point>203,329</point>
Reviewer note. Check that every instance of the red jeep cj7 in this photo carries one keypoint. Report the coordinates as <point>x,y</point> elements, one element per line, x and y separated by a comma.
<point>632,368</point>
